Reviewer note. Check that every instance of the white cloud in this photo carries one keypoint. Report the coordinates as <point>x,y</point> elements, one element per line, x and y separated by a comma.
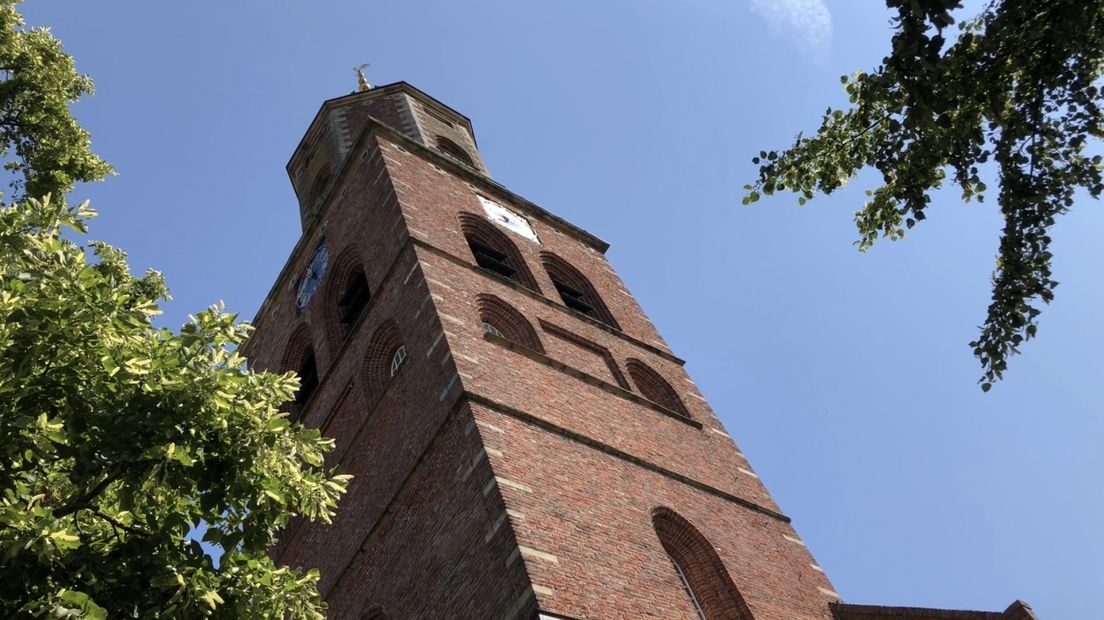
<point>807,22</point>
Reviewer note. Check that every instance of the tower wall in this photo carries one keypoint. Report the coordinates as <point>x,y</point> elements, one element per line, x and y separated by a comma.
<point>583,459</point>
<point>494,476</point>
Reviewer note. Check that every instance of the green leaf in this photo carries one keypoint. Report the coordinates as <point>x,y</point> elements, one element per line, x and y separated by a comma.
<point>278,424</point>
<point>65,541</point>
<point>88,609</point>
<point>182,457</point>
<point>129,432</point>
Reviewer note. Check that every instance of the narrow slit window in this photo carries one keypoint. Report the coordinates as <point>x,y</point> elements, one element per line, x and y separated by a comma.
<point>398,359</point>
<point>354,299</point>
<point>491,329</point>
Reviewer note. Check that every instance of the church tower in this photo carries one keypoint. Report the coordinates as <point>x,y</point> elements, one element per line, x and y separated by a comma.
<point>523,442</point>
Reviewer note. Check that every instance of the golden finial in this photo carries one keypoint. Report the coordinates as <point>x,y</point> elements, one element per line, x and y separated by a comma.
<point>362,82</point>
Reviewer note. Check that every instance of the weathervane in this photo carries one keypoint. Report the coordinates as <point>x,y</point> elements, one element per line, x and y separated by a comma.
<point>362,82</point>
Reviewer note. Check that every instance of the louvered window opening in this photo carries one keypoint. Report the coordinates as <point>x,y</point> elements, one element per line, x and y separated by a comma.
<point>573,298</point>
<point>492,260</point>
<point>308,381</point>
<point>354,300</point>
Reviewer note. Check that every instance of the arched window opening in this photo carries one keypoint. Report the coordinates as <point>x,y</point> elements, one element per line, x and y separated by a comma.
<point>654,387</point>
<point>347,294</point>
<point>299,357</point>
<point>491,259</point>
<point>455,150</point>
<point>574,299</point>
<point>386,355</point>
<point>375,612</point>
<point>308,381</point>
<point>575,289</point>
<point>397,359</point>
<point>494,251</point>
<point>321,182</point>
<point>700,571</point>
<point>503,320</point>
<point>353,299</point>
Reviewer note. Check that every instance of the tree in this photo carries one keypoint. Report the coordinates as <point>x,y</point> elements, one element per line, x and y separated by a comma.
<point>43,146</point>
<point>1017,93</point>
<point>117,437</point>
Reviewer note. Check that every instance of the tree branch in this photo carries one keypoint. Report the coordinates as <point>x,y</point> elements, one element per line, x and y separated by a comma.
<point>83,501</point>
<point>118,525</point>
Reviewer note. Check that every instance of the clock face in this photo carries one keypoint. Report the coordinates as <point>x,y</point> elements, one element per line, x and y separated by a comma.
<point>508,219</point>
<point>308,283</point>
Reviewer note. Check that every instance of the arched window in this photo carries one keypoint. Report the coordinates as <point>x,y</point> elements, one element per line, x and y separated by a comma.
<point>386,355</point>
<point>375,612</point>
<point>299,357</point>
<point>455,150</point>
<point>321,182</point>
<point>699,569</point>
<point>575,289</point>
<point>308,381</point>
<point>347,294</point>
<point>654,387</point>
<point>354,298</point>
<point>397,360</point>
<point>502,320</point>
<point>494,251</point>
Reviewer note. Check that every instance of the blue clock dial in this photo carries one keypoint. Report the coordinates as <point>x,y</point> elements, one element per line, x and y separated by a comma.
<point>308,283</point>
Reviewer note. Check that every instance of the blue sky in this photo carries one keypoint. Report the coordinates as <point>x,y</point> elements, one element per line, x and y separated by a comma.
<point>845,377</point>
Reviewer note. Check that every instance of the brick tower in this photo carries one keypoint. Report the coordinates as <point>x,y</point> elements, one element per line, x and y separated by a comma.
<point>523,442</point>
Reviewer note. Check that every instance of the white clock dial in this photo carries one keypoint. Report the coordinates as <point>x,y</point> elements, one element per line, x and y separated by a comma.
<point>508,219</point>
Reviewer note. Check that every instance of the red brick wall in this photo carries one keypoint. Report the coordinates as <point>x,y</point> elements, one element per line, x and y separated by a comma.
<point>433,123</point>
<point>593,512</point>
<point>612,496</point>
<point>473,426</point>
<point>443,549</point>
<point>382,440</point>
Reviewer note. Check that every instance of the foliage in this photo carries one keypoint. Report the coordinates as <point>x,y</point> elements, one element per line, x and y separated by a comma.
<point>117,437</point>
<point>40,141</point>
<point>1017,90</point>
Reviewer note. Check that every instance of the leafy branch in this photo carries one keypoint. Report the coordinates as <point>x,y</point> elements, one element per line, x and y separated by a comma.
<point>1019,87</point>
